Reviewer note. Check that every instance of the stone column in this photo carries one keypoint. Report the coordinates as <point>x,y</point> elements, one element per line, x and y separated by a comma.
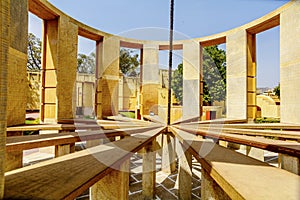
<point>289,163</point>
<point>98,95</point>
<point>17,61</point>
<point>108,84</point>
<point>114,185</point>
<point>149,171</point>
<point>251,77</point>
<point>185,172</point>
<point>168,157</point>
<point>290,64</point>
<point>191,80</point>
<point>236,53</point>
<point>59,70</point>
<point>4,48</point>
<point>255,153</point>
<point>210,189</point>
<point>150,79</point>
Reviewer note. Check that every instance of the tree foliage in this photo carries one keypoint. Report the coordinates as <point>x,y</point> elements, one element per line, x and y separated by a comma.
<point>86,63</point>
<point>214,76</point>
<point>34,53</point>
<point>177,83</point>
<point>276,90</point>
<point>129,62</point>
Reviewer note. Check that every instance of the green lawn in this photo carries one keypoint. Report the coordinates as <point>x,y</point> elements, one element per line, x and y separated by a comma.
<point>128,114</point>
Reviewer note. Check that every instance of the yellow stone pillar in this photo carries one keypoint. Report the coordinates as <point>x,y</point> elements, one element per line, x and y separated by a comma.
<point>289,163</point>
<point>236,54</point>
<point>59,68</point>
<point>114,185</point>
<point>107,89</point>
<point>98,87</point>
<point>191,80</point>
<point>210,189</point>
<point>251,77</point>
<point>149,171</point>
<point>150,79</point>
<point>168,157</point>
<point>64,149</point>
<point>290,64</point>
<point>184,172</point>
<point>17,62</point>
<point>4,48</point>
<point>255,153</point>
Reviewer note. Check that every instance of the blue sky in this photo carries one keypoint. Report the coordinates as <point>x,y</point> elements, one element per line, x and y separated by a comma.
<point>193,18</point>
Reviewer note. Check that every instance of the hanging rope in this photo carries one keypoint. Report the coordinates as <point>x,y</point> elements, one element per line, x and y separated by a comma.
<point>170,60</point>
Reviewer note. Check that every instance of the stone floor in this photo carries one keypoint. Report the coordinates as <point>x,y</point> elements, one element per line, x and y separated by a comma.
<point>166,184</point>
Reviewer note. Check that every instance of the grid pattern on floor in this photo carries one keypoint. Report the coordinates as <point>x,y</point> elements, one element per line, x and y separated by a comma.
<point>166,184</point>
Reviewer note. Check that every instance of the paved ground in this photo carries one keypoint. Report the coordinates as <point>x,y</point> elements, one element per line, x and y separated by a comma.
<point>166,184</point>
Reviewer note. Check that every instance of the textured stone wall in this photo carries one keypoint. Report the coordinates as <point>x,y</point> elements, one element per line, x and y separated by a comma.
<point>109,77</point>
<point>17,61</point>
<point>236,54</point>
<point>49,58</point>
<point>290,64</point>
<point>4,46</point>
<point>59,70</point>
<point>66,69</point>
<point>150,83</point>
<point>191,80</point>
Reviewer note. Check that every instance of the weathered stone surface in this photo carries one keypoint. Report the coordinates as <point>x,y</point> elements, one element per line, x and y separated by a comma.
<point>17,61</point>
<point>59,70</point>
<point>115,185</point>
<point>290,64</point>
<point>191,79</point>
<point>150,75</point>
<point>236,54</point>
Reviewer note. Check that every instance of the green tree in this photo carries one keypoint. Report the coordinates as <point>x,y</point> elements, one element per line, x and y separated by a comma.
<point>177,83</point>
<point>86,63</point>
<point>276,90</point>
<point>34,53</point>
<point>214,76</point>
<point>129,62</point>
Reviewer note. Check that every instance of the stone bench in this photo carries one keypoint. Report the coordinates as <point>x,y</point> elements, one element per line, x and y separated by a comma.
<point>289,151</point>
<point>227,174</point>
<point>70,175</point>
<point>63,142</point>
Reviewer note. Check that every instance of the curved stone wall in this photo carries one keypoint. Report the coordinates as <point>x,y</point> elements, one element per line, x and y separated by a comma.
<point>60,40</point>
